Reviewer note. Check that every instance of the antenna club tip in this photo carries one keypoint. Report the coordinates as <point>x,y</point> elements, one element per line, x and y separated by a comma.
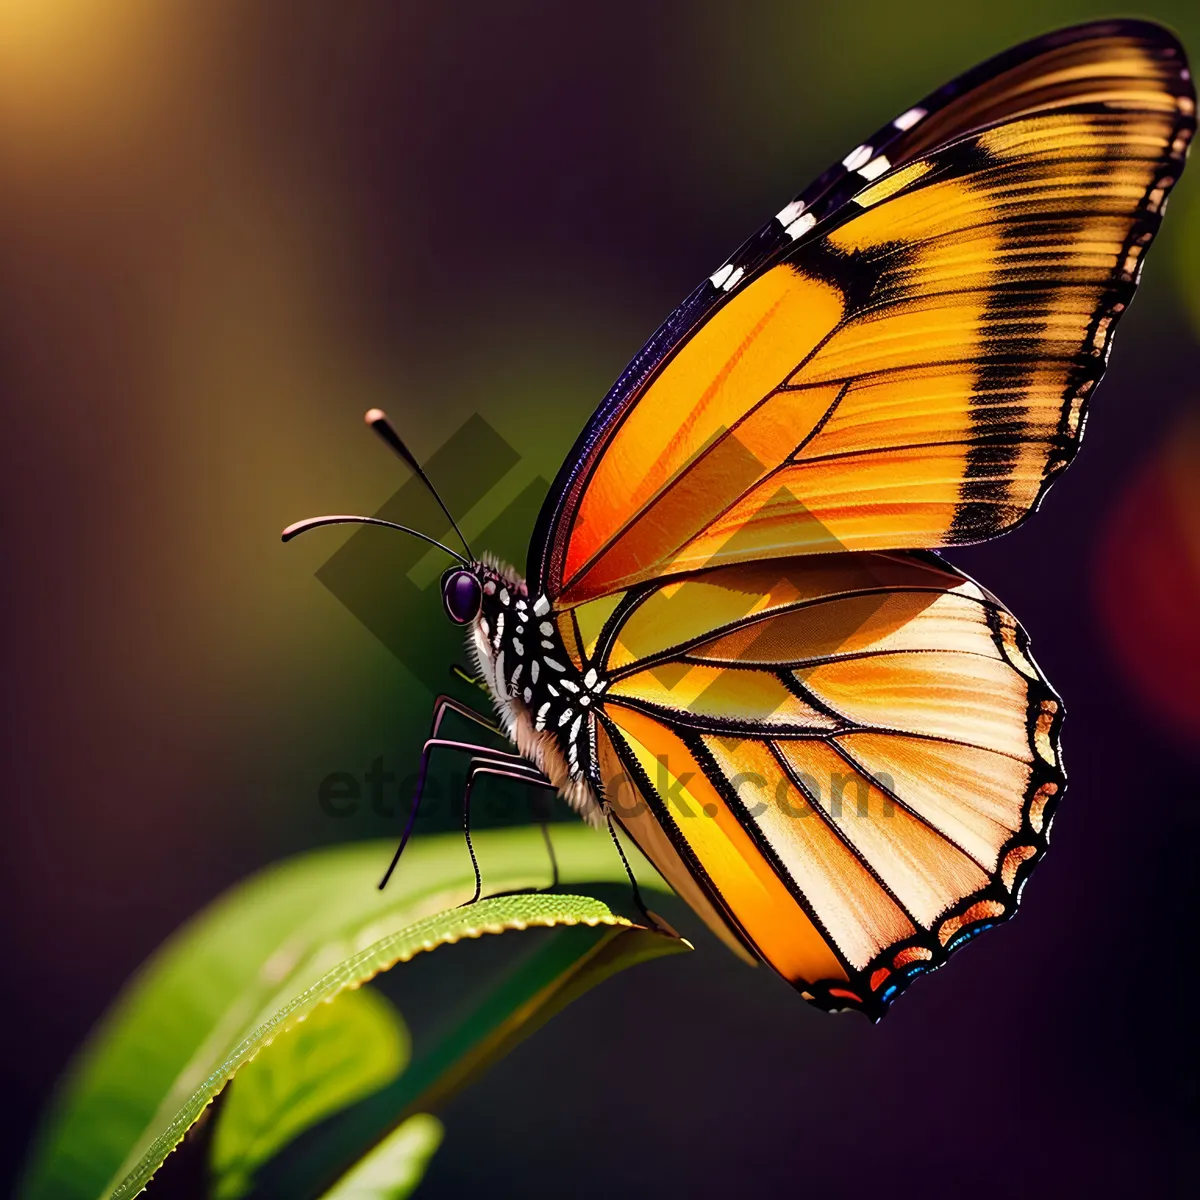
<point>374,415</point>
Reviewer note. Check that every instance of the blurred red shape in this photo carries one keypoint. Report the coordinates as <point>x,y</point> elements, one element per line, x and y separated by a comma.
<point>1148,580</point>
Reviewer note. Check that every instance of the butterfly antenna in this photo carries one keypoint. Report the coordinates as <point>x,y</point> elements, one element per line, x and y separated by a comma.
<point>348,519</point>
<point>378,421</point>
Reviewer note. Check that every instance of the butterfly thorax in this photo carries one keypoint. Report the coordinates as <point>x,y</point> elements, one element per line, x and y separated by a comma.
<point>544,700</point>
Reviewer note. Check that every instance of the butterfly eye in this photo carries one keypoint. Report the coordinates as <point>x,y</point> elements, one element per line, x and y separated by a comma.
<point>462,596</point>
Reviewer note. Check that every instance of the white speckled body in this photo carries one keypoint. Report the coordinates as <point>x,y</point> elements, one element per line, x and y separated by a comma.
<point>545,705</point>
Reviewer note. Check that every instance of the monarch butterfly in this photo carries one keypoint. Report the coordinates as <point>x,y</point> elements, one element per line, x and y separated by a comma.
<point>733,639</point>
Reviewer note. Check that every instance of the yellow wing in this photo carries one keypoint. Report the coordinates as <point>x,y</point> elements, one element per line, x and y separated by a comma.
<point>847,764</point>
<point>909,370</point>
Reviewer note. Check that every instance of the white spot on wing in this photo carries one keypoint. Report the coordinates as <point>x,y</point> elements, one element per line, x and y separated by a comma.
<point>718,278</point>
<point>859,157</point>
<point>909,119</point>
<point>786,215</point>
<point>800,226</point>
<point>541,607</point>
<point>734,279</point>
<point>535,668</point>
<point>540,720</point>
<point>875,167</point>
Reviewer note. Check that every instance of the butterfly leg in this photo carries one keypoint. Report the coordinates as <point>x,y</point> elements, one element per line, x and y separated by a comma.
<point>444,704</point>
<point>637,894</point>
<point>524,773</point>
<point>466,676</point>
<point>432,744</point>
<point>550,853</point>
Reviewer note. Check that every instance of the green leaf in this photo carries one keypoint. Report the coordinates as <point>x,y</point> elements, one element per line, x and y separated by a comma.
<point>394,1168</point>
<point>340,1054</point>
<point>556,969</point>
<point>267,952</point>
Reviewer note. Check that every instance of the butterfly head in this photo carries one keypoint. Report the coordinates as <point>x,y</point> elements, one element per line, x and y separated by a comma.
<point>462,594</point>
<point>481,591</point>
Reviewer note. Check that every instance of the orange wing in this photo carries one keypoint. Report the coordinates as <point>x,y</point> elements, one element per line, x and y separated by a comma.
<point>907,366</point>
<point>847,764</point>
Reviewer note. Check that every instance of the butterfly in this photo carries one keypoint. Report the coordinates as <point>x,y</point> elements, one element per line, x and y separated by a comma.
<point>734,639</point>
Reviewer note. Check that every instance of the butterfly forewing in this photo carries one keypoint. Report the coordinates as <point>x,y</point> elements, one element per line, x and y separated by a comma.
<point>902,357</point>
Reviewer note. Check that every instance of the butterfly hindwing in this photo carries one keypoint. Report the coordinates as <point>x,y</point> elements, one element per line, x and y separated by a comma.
<point>851,760</point>
<point>903,356</point>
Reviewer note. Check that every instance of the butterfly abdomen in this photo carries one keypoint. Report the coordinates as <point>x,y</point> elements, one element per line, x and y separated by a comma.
<point>544,700</point>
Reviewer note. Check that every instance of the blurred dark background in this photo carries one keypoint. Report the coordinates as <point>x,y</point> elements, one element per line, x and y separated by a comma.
<point>226,229</point>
